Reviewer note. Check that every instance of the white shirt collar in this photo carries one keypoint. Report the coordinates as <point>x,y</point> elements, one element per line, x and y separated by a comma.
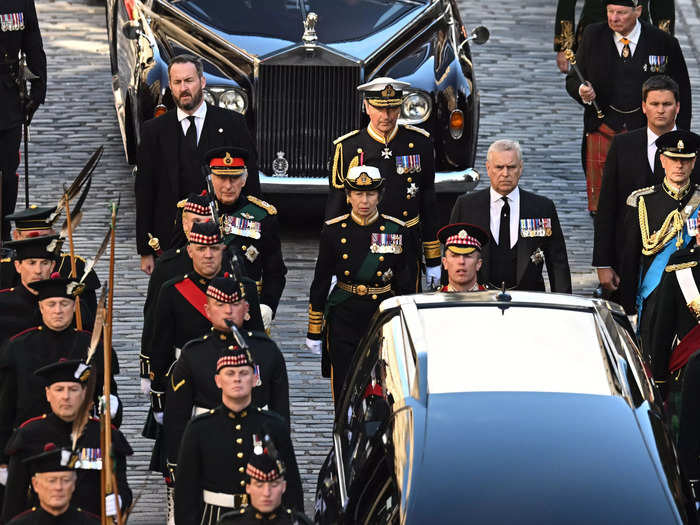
<point>633,37</point>
<point>651,136</point>
<point>200,113</point>
<point>512,196</point>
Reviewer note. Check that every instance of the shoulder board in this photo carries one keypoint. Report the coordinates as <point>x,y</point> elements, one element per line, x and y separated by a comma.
<point>24,332</point>
<point>394,219</point>
<point>337,219</point>
<point>195,341</point>
<point>37,418</point>
<point>682,266</point>
<point>634,196</point>
<point>76,256</point>
<point>269,208</point>
<point>417,130</point>
<point>347,135</point>
<point>169,254</point>
<point>204,414</point>
<point>181,204</point>
<point>5,260</point>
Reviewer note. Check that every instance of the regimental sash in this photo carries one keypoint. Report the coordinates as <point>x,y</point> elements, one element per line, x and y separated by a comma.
<point>536,227</point>
<point>193,295</point>
<point>386,243</point>
<point>687,347</point>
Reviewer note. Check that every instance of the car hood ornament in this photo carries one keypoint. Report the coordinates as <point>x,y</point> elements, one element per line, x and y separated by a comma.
<point>309,37</point>
<point>280,165</point>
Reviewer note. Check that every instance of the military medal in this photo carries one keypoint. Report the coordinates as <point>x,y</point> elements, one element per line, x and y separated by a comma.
<point>386,153</point>
<point>257,445</point>
<point>692,225</point>
<point>412,189</point>
<point>258,382</point>
<point>400,166</point>
<point>233,225</point>
<point>252,253</point>
<point>386,243</point>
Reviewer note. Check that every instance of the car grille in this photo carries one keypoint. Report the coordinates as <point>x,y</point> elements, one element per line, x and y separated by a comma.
<point>300,111</point>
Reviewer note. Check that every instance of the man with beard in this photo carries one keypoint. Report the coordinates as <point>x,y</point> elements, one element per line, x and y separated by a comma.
<point>171,151</point>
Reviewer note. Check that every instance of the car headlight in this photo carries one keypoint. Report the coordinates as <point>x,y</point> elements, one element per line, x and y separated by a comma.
<point>416,108</point>
<point>209,97</point>
<point>235,100</point>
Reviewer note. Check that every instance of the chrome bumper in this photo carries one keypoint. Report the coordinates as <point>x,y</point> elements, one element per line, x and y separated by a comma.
<point>445,182</point>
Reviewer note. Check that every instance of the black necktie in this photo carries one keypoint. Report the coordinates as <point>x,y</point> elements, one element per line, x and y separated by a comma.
<point>504,229</point>
<point>191,135</point>
<point>626,52</point>
<point>658,168</point>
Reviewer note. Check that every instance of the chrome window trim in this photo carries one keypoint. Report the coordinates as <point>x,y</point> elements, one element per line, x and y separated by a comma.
<point>341,470</point>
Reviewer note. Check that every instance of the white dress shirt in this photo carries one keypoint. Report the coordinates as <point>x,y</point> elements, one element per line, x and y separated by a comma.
<point>198,119</point>
<point>495,215</point>
<point>633,37</point>
<point>651,146</point>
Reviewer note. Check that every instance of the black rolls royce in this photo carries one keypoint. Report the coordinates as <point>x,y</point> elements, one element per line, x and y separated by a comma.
<point>292,66</point>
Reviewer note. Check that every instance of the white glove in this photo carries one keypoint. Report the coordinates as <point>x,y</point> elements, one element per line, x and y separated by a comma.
<point>266,314</point>
<point>314,346</point>
<point>113,404</point>
<point>158,416</point>
<point>432,276</point>
<point>145,386</point>
<point>3,475</point>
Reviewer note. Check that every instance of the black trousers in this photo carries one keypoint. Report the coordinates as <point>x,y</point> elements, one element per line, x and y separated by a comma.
<point>9,161</point>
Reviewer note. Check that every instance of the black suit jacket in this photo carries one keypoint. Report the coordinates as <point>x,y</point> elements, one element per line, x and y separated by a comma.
<point>594,59</point>
<point>157,180</point>
<point>626,170</point>
<point>475,208</point>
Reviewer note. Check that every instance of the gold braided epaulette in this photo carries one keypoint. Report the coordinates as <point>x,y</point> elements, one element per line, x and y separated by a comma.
<point>394,219</point>
<point>269,208</point>
<point>675,267</point>
<point>5,260</point>
<point>417,130</point>
<point>337,219</point>
<point>347,135</point>
<point>181,204</point>
<point>76,256</point>
<point>634,196</point>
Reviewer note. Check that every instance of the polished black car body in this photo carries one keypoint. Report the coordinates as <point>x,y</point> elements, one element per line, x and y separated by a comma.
<point>487,408</point>
<point>291,68</point>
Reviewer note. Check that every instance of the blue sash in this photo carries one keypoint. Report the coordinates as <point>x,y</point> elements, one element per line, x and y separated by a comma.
<point>656,270</point>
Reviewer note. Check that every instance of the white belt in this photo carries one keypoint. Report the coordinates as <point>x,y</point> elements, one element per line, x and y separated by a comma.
<point>178,351</point>
<point>222,499</point>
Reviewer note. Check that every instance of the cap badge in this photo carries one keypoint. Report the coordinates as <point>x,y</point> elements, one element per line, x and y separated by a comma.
<point>680,145</point>
<point>388,91</point>
<point>364,179</point>
<point>228,160</point>
<point>462,234</point>
<point>280,165</point>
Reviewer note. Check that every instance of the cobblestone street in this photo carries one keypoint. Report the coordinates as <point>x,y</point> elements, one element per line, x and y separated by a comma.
<point>522,97</point>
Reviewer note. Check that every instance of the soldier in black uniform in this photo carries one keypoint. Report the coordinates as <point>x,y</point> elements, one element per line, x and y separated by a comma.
<point>404,156</point>
<point>21,391</point>
<point>216,446</point>
<point>462,257</point>
<point>66,390</point>
<point>19,34</point>
<point>663,16</point>
<point>369,253</point>
<point>53,479</point>
<point>36,221</point>
<point>265,486</point>
<point>656,223</point>
<point>191,389</point>
<point>34,260</point>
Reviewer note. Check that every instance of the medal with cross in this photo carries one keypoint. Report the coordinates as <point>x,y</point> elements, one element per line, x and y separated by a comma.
<point>412,189</point>
<point>386,153</point>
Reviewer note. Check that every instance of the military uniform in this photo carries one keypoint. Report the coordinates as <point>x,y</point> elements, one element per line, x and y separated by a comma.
<point>662,16</point>
<point>191,389</point>
<point>211,466</point>
<point>19,310</point>
<point>370,258</point>
<point>249,516</point>
<point>49,428</point>
<point>38,516</point>
<point>19,32</point>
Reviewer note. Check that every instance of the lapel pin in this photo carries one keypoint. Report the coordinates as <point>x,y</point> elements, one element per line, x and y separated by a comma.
<point>221,130</point>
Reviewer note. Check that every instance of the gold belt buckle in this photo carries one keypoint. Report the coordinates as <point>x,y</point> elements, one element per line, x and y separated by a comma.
<point>361,289</point>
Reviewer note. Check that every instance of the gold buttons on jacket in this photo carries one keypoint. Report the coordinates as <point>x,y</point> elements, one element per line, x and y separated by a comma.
<point>410,179</point>
<point>382,228</point>
<point>241,469</point>
<point>381,257</point>
<point>343,240</point>
<point>345,256</point>
<point>374,297</point>
<point>405,213</point>
<point>244,247</point>
<point>239,455</point>
<point>408,196</point>
<point>379,273</point>
<point>410,144</point>
<point>343,224</point>
<point>242,483</point>
<point>238,427</point>
<point>346,273</point>
<point>239,440</point>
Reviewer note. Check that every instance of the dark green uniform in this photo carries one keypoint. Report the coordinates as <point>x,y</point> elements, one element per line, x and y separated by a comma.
<point>662,16</point>
<point>213,455</point>
<point>248,515</point>
<point>191,387</point>
<point>407,164</point>
<point>371,264</point>
<point>30,438</point>
<point>251,229</point>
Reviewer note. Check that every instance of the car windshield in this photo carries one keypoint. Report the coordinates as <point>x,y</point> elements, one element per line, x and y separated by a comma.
<point>524,349</point>
<point>338,20</point>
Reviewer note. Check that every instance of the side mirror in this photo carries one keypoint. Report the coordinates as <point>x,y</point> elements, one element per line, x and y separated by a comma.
<point>479,35</point>
<point>132,29</point>
<point>471,179</point>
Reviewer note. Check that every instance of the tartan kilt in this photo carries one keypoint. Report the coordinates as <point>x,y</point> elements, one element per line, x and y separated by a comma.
<point>597,146</point>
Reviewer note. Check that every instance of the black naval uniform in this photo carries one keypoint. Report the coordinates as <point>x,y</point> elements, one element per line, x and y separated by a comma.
<point>407,164</point>
<point>19,32</point>
<point>371,264</point>
<point>38,516</point>
<point>30,438</point>
<point>250,228</point>
<point>213,456</point>
<point>659,202</point>
<point>22,394</point>
<point>249,515</point>
<point>191,388</point>
<point>9,277</point>
<point>663,16</point>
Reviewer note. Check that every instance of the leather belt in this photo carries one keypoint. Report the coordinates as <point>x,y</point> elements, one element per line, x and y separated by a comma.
<point>363,289</point>
<point>412,222</point>
<point>222,499</point>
